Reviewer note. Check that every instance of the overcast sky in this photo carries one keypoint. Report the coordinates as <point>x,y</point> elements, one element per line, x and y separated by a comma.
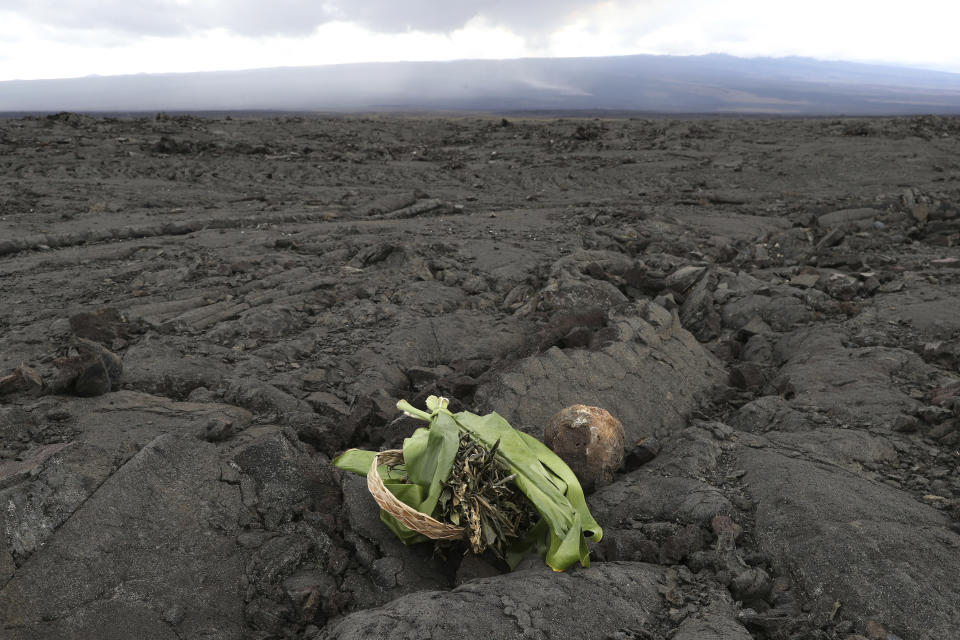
<point>69,38</point>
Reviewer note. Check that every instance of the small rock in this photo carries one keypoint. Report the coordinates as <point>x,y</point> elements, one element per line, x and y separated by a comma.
<point>805,280</point>
<point>105,326</point>
<point>474,285</point>
<point>644,451</point>
<point>516,296</point>
<point>457,386</point>
<point>754,327</point>
<point>588,439</point>
<point>201,395</point>
<point>938,431</point>
<point>308,590</point>
<point>875,631</point>
<point>174,614</point>
<point>386,571</point>
<point>726,350</point>
<point>327,404</point>
<point>845,216</point>
<point>891,287</point>
<point>934,414</point>
<point>23,378</point>
<point>747,375</point>
<point>677,547</point>
<point>93,370</point>
<point>950,439</point>
<point>666,301</point>
<point>473,567</point>
<point>683,278</point>
<point>229,473</point>
<point>241,266</point>
<point>756,349</point>
<point>93,380</point>
<point>842,287</point>
<point>697,313</point>
<point>629,545</point>
<point>422,376</point>
<point>13,471</point>
<point>905,424</point>
<point>832,239</point>
<point>870,284</point>
<point>750,584</point>
<point>218,430</point>
<point>267,616</point>
<point>943,395</point>
<point>719,430</point>
<point>724,524</point>
<point>313,379</point>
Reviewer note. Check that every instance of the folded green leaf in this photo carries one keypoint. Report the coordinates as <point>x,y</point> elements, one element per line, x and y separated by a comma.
<point>355,460</point>
<point>428,456</point>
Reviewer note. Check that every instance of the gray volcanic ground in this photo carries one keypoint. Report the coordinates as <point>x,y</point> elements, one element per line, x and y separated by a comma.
<point>196,314</point>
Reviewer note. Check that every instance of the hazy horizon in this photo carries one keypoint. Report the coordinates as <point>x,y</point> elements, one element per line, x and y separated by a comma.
<point>716,83</point>
<point>913,67</point>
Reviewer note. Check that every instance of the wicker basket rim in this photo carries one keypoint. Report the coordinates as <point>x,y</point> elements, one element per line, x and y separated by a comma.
<point>405,514</point>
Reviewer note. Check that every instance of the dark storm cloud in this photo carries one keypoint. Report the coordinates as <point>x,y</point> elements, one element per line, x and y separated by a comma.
<point>292,17</point>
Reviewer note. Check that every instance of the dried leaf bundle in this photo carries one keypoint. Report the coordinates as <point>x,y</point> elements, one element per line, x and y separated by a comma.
<point>480,495</point>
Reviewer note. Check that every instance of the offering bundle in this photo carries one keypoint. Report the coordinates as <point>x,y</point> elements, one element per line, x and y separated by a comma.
<point>478,479</point>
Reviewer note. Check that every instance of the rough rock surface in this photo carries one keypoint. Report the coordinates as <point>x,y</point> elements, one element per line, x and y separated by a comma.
<point>525,604</point>
<point>111,558</point>
<point>880,554</point>
<point>650,376</point>
<point>250,296</point>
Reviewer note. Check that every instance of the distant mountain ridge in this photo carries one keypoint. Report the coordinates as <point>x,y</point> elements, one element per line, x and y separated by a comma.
<point>715,83</point>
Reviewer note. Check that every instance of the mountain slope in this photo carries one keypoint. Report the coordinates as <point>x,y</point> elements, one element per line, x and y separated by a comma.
<point>670,84</point>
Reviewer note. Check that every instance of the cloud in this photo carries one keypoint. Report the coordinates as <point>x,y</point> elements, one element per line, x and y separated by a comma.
<point>175,17</point>
<point>525,16</point>
<point>57,38</point>
<point>296,17</point>
<point>151,17</point>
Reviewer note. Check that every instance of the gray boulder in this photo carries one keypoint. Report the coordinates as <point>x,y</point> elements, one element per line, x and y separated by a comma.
<point>650,378</point>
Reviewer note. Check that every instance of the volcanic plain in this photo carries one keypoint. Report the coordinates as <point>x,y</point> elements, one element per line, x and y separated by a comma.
<point>198,313</point>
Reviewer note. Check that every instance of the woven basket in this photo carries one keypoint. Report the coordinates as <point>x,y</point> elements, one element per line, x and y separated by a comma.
<point>407,515</point>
